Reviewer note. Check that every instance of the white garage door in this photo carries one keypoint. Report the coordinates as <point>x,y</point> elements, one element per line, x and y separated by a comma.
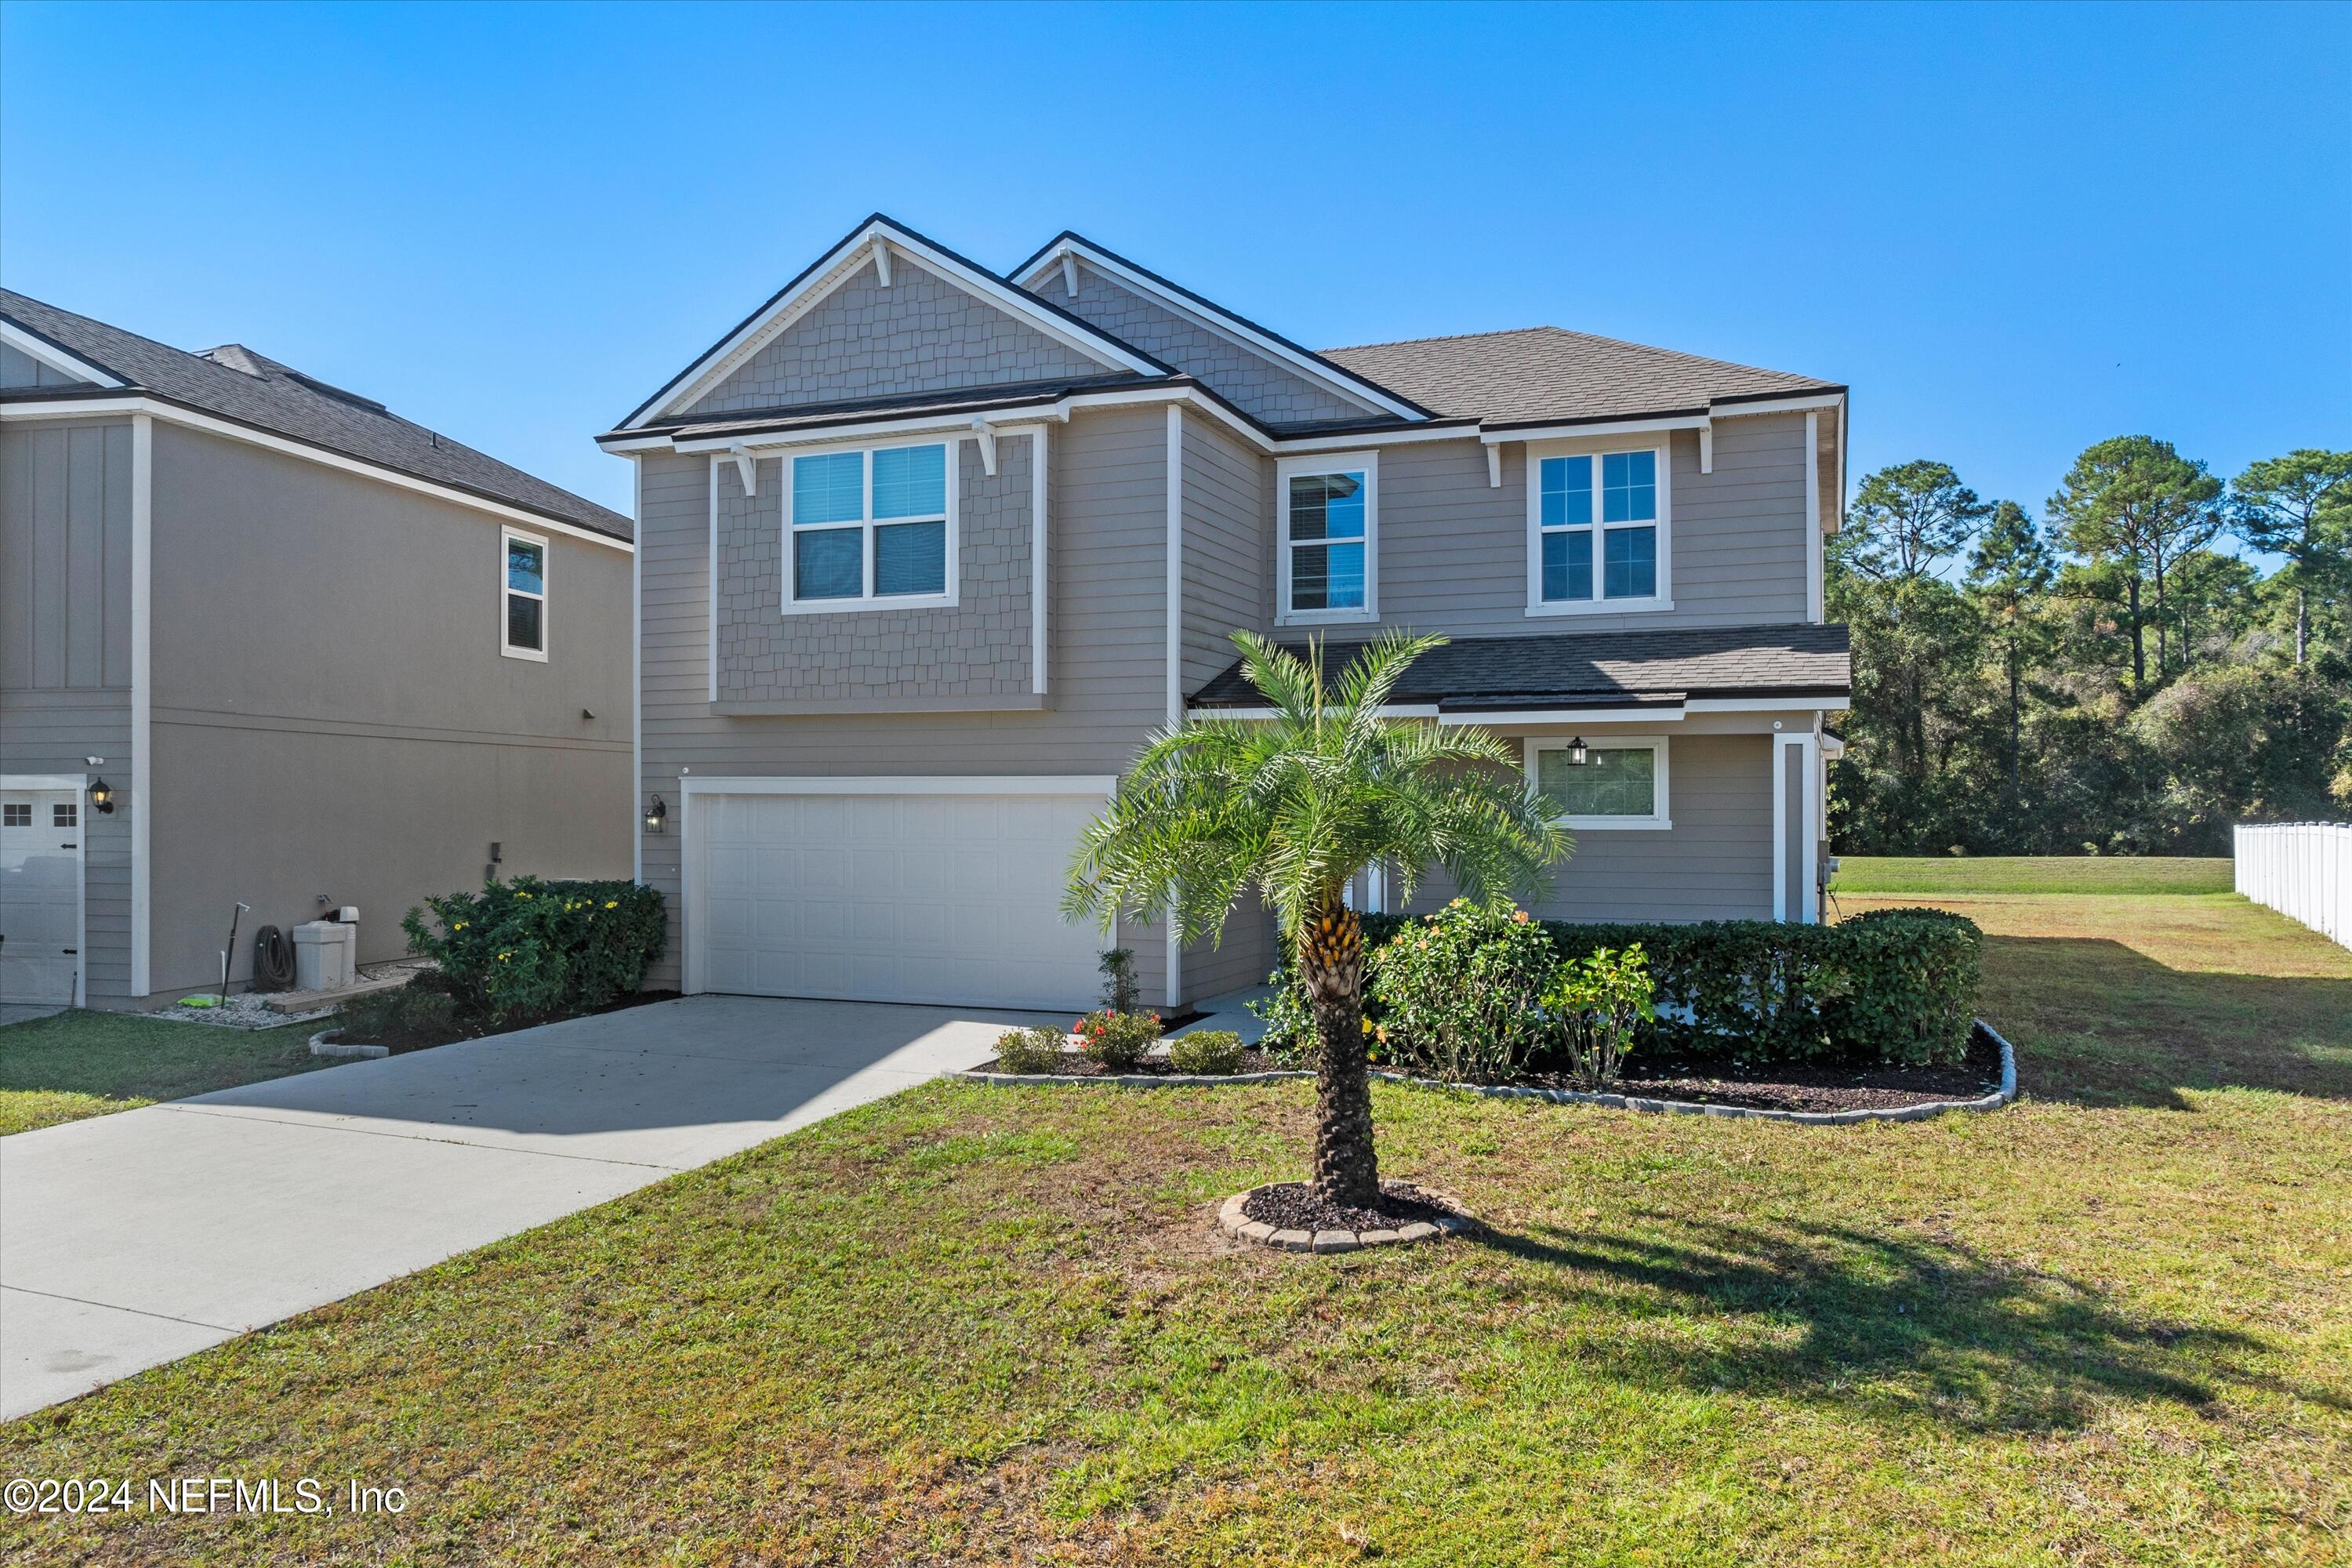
<point>944,894</point>
<point>40,895</point>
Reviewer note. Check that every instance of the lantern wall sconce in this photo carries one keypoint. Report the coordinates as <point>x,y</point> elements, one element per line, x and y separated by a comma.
<point>657,815</point>
<point>102,795</point>
<point>1577,754</point>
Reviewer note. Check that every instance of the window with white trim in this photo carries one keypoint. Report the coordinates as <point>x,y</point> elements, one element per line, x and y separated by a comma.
<point>1620,782</point>
<point>870,527</point>
<point>522,594</point>
<point>1328,558</point>
<point>66,814</point>
<point>1597,529</point>
<point>16,814</point>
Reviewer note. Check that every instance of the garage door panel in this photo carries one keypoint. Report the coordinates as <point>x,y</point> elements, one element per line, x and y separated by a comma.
<point>948,898</point>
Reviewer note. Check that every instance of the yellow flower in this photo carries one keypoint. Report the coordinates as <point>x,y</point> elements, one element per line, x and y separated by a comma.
<point>611,903</point>
<point>1368,1025</point>
<point>459,926</point>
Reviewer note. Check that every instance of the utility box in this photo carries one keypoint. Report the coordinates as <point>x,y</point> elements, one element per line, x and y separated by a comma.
<point>324,951</point>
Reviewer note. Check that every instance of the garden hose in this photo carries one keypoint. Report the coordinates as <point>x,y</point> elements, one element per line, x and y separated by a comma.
<point>273,960</point>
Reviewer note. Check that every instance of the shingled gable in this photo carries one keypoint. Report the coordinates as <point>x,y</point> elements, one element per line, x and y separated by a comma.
<point>874,249</point>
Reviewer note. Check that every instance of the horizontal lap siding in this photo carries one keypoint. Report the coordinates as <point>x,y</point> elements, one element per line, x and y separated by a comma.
<point>1107,665</point>
<point>1715,863</point>
<point>1454,548</point>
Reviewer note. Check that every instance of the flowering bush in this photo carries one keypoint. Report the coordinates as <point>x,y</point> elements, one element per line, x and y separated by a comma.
<point>1029,1050</point>
<point>1461,994</point>
<point>1213,1053</point>
<point>1116,1040</point>
<point>533,949</point>
<point>1595,1001</point>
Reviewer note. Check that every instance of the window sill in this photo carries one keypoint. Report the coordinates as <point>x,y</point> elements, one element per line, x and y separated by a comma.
<point>1615,824</point>
<point>535,655</point>
<point>1325,618</point>
<point>867,606</point>
<point>1601,607</point>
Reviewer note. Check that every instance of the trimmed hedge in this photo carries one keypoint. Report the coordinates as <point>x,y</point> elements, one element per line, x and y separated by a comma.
<point>534,949</point>
<point>1888,987</point>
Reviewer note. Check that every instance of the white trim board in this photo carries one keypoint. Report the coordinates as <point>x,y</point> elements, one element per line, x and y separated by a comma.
<point>1809,775</point>
<point>173,414</point>
<point>1215,319</point>
<point>143,701</point>
<point>835,267</point>
<point>63,361</point>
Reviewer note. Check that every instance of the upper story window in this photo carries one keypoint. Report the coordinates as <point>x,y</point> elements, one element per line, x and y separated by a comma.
<point>522,594</point>
<point>871,528</point>
<point>1620,782</point>
<point>1597,529</point>
<point>1326,566</point>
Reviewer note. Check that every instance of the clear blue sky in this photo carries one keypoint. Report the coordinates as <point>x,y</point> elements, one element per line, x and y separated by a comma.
<point>2014,230</point>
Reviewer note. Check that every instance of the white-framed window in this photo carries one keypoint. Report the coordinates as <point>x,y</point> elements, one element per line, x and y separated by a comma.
<point>1598,517</point>
<point>1328,549</point>
<point>16,814</point>
<point>66,814</point>
<point>1621,783</point>
<point>870,528</point>
<point>522,594</point>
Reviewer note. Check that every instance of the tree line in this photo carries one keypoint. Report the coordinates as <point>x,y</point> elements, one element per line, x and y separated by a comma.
<point>2100,678</point>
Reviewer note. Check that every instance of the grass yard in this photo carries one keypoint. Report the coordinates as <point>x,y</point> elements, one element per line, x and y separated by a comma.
<point>2111,1325</point>
<point>2033,873</point>
<point>75,1064</point>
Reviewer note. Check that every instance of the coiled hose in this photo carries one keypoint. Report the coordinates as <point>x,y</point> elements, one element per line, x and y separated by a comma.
<point>273,960</point>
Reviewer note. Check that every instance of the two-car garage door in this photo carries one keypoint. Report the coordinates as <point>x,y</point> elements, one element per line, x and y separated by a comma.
<point>942,890</point>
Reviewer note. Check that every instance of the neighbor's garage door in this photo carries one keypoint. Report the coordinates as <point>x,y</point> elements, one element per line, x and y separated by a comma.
<point>944,895</point>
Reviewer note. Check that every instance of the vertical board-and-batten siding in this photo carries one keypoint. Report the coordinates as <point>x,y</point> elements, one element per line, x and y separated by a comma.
<point>921,333</point>
<point>1454,548</point>
<point>65,647</point>
<point>1106,593</point>
<point>19,369</point>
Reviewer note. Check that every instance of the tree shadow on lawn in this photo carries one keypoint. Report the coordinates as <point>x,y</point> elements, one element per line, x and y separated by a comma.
<point>2099,1023</point>
<point>1897,1324</point>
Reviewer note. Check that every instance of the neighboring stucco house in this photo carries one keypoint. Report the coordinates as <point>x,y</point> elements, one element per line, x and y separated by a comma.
<point>927,552</point>
<point>317,656</point>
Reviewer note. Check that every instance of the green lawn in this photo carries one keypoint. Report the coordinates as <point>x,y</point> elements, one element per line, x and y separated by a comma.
<point>2110,1325</point>
<point>75,1064</point>
<point>2033,873</point>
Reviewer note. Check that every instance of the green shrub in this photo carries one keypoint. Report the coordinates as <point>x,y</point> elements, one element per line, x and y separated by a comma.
<point>1212,1053</point>
<point>1116,1040</point>
<point>1029,1050</point>
<point>1460,994</point>
<point>1122,988</point>
<point>1596,1002</point>
<point>1891,987</point>
<point>533,949</point>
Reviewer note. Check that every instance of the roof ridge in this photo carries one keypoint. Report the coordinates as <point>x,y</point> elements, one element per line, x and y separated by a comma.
<point>1455,338</point>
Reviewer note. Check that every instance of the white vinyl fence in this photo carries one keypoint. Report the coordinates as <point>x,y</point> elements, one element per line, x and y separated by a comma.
<point>2302,869</point>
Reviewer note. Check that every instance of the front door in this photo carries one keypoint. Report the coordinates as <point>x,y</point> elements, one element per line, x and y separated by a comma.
<point>40,895</point>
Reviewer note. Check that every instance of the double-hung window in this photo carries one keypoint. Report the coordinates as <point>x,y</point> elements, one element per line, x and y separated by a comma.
<point>522,592</point>
<point>871,529</point>
<point>1326,562</point>
<point>1620,782</point>
<point>1597,525</point>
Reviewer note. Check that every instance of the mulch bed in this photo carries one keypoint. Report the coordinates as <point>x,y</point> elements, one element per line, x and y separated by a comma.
<point>1073,1065</point>
<point>1790,1087</point>
<point>1292,1205</point>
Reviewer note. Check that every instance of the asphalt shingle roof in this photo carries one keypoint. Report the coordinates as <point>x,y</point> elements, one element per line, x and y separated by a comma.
<point>1541,374</point>
<point>1600,669</point>
<point>237,383</point>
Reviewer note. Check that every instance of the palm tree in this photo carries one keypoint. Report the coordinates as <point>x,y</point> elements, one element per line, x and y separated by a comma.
<point>1297,805</point>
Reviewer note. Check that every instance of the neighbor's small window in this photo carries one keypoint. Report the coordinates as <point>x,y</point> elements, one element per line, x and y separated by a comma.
<point>16,814</point>
<point>1329,552</point>
<point>1596,520</point>
<point>1620,784</point>
<point>65,813</point>
<point>524,593</point>
<point>870,527</point>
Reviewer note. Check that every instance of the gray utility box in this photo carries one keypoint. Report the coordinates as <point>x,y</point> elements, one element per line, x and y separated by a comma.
<point>324,951</point>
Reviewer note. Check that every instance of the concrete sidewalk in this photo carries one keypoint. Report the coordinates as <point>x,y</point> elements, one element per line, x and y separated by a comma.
<point>134,1239</point>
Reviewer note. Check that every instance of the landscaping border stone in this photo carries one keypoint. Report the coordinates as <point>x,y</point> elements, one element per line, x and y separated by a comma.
<point>1999,1097</point>
<point>1240,1226</point>
<point>322,1047</point>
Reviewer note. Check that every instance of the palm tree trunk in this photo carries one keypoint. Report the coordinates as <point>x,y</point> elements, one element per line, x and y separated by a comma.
<point>1331,964</point>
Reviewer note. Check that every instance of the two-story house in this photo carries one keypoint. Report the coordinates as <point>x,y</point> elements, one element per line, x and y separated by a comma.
<point>265,642</point>
<point>927,552</point>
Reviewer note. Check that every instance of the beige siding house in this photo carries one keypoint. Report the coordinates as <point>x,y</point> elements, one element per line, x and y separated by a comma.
<point>926,552</point>
<point>317,657</point>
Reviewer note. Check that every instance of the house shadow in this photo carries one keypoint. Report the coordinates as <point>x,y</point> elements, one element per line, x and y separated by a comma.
<point>1904,1324</point>
<point>2099,1023</point>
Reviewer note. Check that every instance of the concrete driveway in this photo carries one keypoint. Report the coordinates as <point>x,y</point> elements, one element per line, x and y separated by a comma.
<point>134,1239</point>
